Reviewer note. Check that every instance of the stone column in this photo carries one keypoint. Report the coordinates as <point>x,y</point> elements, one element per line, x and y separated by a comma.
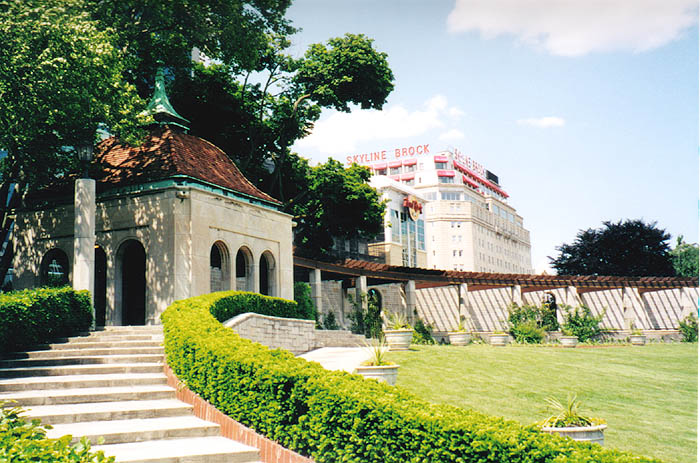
<point>316,290</point>
<point>84,238</point>
<point>361,291</point>
<point>255,275</point>
<point>411,298</point>
<point>463,305</point>
<point>628,307</point>
<point>689,302</point>
<point>516,295</point>
<point>572,298</point>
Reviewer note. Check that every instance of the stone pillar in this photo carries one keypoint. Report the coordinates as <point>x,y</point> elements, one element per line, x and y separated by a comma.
<point>255,275</point>
<point>84,238</point>
<point>411,298</point>
<point>628,307</point>
<point>572,298</point>
<point>361,291</point>
<point>689,303</point>
<point>463,305</point>
<point>516,295</point>
<point>316,290</point>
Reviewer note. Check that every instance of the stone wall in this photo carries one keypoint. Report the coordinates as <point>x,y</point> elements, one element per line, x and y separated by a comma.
<point>295,335</point>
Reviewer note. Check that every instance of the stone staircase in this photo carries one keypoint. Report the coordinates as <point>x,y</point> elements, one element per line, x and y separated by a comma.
<point>110,384</point>
<point>339,338</point>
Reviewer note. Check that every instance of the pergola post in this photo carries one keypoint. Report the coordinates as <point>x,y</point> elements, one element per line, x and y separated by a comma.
<point>84,238</point>
<point>361,291</point>
<point>463,305</point>
<point>689,303</point>
<point>316,289</point>
<point>628,307</point>
<point>411,298</point>
<point>516,295</point>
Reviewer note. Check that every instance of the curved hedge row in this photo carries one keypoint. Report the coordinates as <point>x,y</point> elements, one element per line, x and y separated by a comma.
<point>228,304</point>
<point>36,316</point>
<point>335,416</point>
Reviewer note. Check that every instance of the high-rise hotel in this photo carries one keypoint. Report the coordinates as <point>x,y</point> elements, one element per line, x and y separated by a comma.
<point>445,211</point>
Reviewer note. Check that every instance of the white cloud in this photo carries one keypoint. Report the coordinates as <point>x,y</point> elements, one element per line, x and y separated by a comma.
<point>341,133</point>
<point>452,134</point>
<point>542,122</point>
<point>577,27</point>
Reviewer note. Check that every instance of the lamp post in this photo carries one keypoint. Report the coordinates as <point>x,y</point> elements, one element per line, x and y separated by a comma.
<point>84,228</point>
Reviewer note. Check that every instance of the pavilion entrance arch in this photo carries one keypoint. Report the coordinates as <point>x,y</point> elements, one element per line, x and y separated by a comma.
<point>131,283</point>
<point>100,289</point>
<point>244,270</point>
<point>267,271</point>
<point>219,267</point>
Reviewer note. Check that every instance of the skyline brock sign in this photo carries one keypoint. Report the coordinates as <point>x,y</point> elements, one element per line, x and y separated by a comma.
<point>367,159</point>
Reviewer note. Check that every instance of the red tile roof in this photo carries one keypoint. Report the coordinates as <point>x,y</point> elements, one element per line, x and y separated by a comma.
<point>168,153</point>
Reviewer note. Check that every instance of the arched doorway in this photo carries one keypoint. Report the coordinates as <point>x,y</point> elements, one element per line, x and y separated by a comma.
<point>100,293</point>
<point>267,274</point>
<point>244,259</point>
<point>219,274</point>
<point>132,258</point>
<point>54,268</point>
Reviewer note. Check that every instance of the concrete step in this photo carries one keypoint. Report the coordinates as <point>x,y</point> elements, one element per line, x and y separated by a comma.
<point>107,336</point>
<point>194,450</point>
<point>81,370</point>
<point>136,430</point>
<point>130,329</point>
<point>81,360</point>
<point>29,398</point>
<point>85,352</point>
<point>130,409</point>
<point>81,381</point>
<point>102,345</point>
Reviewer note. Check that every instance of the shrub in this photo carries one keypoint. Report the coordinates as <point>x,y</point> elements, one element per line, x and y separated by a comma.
<point>581,322</point>
<point>689,328</point>
<point>366,321</point>
<point>527,323</point>
<point>302,296</point>
<point>422,333</point>
<point>228,304</point>
<point>22,441</point>
<point>329,322</point>
<point>36,316</point>
<point>333,416</point>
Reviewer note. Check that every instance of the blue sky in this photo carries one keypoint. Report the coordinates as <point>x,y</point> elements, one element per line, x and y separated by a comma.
<point>587,111</point>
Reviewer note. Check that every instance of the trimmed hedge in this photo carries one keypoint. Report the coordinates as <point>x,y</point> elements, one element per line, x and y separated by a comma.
<point>334,416</point>
<point>228,304</point>
<point>25,441</point>
<point>36,316</point>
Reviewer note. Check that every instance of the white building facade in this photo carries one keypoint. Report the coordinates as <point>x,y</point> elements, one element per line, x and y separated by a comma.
<point>467,223</point>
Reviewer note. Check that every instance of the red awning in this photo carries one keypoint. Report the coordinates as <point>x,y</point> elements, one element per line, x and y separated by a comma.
<point>379,166</point>
<point>410,162</point>
<point>440,158</point>
<point>460,166</point>
<point>469,182</point>
<point>446,173</point>
<point>408,176</point>
<point>395,177</point>
<point>395,164</point>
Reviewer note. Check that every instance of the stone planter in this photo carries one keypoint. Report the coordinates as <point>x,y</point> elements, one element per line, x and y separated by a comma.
<point>398,339</point>
<point>458,338</point>
<point>638,339</point>
<point>385,373</point>
<point>499,339</point>
<point>568,341</point>
<point>593,434</point>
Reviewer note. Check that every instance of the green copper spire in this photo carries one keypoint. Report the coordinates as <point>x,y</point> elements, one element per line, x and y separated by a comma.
<point>160,107</point>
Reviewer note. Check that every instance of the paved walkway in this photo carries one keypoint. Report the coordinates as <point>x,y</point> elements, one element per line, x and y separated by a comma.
<point>338,358</point>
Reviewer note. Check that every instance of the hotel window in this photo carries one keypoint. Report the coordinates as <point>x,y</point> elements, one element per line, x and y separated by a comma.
<point>395,226</point>
<point>421,235</point>
<point>446,179</point>
<point>409,182</point>
<point>411,168</point>
<point>380,172</point>
<point>440,165</point>
<point>450,195</point>
<point>394,170</point>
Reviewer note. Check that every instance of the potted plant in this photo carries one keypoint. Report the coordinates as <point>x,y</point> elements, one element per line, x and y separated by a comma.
<point>499,338</point>
<point>377,367</point>
<point>567,420</point>
<point>637,338</point>
<point>568,338</point>
<point>400,332</point>
<point>460,335</point>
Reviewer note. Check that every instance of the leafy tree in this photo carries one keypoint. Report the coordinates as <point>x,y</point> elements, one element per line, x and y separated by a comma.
<point>685,258</point>
<point>629,248</point>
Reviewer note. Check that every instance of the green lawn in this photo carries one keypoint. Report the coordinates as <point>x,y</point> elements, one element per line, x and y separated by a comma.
<point>647,395</point>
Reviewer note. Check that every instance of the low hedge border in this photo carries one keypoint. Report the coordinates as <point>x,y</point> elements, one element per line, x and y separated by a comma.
<point>334,416</point>
<point>37,316</point>
<point>227,304</point>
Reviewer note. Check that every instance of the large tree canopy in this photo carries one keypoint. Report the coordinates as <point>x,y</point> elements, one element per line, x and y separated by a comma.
<point>685,258</point>
<point>625,248</point>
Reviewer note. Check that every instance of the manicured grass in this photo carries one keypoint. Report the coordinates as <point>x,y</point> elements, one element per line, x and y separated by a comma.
<point>647,395</point>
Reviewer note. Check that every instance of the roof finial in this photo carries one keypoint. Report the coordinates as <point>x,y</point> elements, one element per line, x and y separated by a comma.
<point>160,107</point>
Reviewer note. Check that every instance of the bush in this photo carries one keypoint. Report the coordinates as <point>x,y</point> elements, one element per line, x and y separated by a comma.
<point>527,323</point>
<point>366,321</point>
<point>22,441</point>
<point>333,416</point>
<point>228,304</point>
<point>689,328</point>
<point>302,296</point>
<point>329,322</point>
<point>422,333</point>
<point>37,316</point>
<point>581,322</point>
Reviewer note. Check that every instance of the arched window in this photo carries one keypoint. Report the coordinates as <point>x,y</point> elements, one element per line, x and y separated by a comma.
<point>267,274</point>
<point>219,273</point>
<point>54,268</point>
<point>244,259</point>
